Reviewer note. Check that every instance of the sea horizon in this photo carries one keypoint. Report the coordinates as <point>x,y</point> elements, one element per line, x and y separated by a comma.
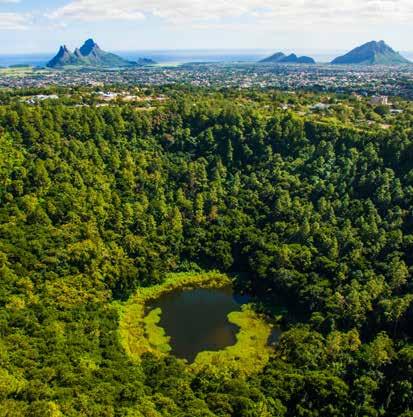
<point>181,56</point>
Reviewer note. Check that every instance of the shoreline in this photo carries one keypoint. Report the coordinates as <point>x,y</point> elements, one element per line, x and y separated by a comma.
<point>134,323</point>
<point>140,333</point>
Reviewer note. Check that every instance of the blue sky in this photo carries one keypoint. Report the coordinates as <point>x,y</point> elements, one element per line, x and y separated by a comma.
<point>30,26</point>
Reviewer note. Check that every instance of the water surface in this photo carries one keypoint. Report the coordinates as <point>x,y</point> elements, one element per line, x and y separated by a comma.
<point>196,320</point>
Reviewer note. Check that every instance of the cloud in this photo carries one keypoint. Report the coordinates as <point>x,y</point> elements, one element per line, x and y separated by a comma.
<point>95,10</point>
<point>89,14</point>
<point>270,13</point>
<point>14,21</point>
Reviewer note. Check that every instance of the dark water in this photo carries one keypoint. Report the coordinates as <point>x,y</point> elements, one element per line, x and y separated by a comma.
<point>196,320</point>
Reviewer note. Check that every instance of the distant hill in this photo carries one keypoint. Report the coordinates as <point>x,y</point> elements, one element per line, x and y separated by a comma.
<point>90,55</point>
<point>20,66</point>
<point>372,53</point>
<point>280,58</point>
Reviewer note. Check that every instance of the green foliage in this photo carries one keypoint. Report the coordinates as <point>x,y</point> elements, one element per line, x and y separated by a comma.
<point>250,353</point>
<point>313,211</point>
<point>155,334</point>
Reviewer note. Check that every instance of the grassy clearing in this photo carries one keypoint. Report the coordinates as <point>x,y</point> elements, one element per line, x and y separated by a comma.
<point>19,71</point>
<point>156,334</point>
<point>140,333</point>
<point>251,351</point>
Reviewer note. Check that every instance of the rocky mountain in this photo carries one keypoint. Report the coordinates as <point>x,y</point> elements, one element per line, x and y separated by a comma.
<point>280,58</point>
<point>90,55</point>
<point>372,53</point>
<point>62,58</point>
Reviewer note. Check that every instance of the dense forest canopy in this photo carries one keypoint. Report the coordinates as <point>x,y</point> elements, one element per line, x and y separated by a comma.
<point>96,201</point>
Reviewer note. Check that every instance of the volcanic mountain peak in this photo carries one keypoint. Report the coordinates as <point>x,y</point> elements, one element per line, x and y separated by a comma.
<point>90,55</point>
<point>372,53</point>
<point>280,58</point>
<point>88,47</point>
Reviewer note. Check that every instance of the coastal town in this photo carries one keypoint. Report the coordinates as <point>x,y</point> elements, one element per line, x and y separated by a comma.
<point>363,80</point>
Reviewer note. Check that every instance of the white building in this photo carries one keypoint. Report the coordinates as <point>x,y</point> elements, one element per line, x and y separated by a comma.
<point>379,101</point>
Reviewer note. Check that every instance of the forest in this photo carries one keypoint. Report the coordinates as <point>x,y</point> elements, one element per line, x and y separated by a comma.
<point>315,212</point>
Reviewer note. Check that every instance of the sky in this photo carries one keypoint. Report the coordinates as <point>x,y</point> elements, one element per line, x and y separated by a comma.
<point>37,26</point>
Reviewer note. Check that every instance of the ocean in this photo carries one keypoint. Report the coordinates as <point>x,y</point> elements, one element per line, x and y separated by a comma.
<point>176,57</point>
<point>168,57</point>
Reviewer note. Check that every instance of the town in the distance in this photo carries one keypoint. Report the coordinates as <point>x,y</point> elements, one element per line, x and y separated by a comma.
<point>369,70</point>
